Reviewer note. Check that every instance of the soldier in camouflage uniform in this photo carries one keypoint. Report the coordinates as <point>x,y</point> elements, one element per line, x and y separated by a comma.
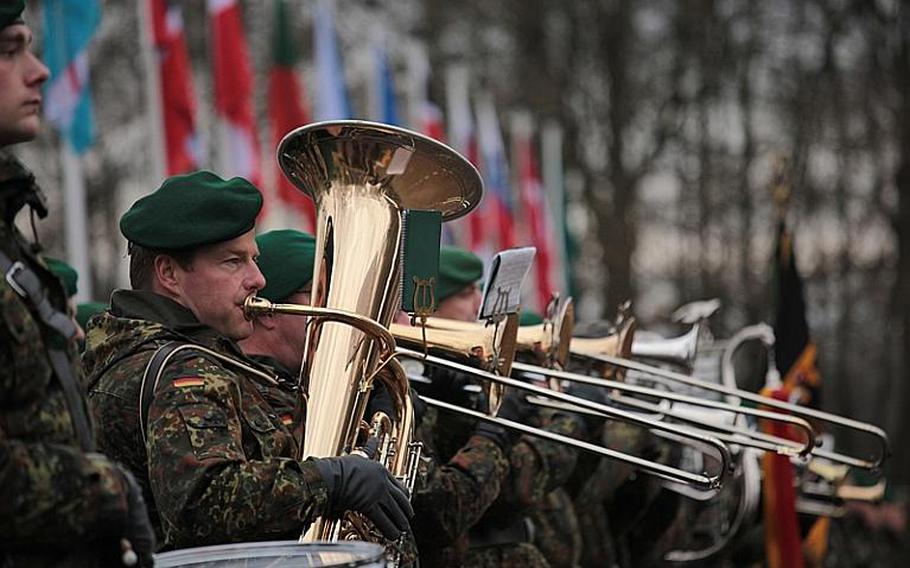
<point>193,424</point>
<point>60,503</point>
<point>467,463</point>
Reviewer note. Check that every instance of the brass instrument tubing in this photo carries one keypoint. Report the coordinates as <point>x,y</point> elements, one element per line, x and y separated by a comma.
<point>803,425</point>
<point>708,482</point>
<point>874,431</point>
<point>655,468</point>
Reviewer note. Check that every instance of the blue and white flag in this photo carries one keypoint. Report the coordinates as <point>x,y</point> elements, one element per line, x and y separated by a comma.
<point>386,104</point>
<point>331,93</point>
<point>69,26</point>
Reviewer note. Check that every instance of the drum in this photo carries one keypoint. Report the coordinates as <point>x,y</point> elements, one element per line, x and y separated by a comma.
<point>279,554</point>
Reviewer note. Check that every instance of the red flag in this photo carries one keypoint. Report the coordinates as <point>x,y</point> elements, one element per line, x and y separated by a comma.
<point>178,102</point>
<point>286,108</point>
<point>534,205</point>
<point>239,145</point>
<point>783,544</point>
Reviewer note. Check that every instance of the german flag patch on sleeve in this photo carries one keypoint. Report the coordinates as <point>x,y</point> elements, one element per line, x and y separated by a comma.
<point>184,382</point>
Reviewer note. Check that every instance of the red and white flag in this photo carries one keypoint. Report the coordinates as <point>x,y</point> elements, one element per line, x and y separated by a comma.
<point>178,102</point>
<point>463,137</point>
<point>534,206</point>
<point>238,141</point>
<point>286,109</point>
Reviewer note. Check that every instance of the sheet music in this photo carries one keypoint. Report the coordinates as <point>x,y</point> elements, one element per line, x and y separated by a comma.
<point>502,293</point>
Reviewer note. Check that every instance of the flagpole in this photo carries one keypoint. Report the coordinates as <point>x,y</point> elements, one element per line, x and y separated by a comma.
<point>152,91</point>
<point>76,219</point>
<point>552,171</point>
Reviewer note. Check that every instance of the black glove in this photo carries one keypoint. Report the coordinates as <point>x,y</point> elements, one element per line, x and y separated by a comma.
<point>515,408</point>
<point>381,401</point>
<point>138,530</point>
<point>592,393</point>
<point>359,484</point>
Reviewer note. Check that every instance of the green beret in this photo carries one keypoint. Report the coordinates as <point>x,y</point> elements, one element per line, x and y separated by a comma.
<point>192,210</point>
<point>11,12</point>
<point>66,273</point>
<point>529,317</point>
<point>87,310</point>
<point>458,268</point>
<point>286,261</point>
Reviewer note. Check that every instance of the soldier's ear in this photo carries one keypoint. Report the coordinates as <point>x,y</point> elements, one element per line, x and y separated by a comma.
<point>166,278</point>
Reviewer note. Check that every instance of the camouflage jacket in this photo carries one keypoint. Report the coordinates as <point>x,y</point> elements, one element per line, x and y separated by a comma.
<point>58,505</point>
<point>454,487</point>
<point>219,463</point>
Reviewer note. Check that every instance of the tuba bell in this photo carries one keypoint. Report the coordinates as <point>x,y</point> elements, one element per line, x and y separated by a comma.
<point>362,177</point>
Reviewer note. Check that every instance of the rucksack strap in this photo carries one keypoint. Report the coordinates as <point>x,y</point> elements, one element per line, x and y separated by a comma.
<point>166,354</point>
<point>26,283</point>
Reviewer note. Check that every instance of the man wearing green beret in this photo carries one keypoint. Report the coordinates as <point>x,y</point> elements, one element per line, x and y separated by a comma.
<point>458,291</point>
<point>69,278</point>
<point>496,534</point>
<point>61,503</point>
<point>182,404</point>
<point>286,261</point>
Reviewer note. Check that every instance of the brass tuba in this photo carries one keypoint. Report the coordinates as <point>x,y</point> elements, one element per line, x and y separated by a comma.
<point>362,177</point>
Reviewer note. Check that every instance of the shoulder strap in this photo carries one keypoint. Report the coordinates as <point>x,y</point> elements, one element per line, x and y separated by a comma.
<point>26,283</point>
<point>164,355</point>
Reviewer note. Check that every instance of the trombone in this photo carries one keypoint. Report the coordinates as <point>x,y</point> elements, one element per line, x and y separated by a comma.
<point>705,481</point>
<point>527,338</point>
<point>793,409</point>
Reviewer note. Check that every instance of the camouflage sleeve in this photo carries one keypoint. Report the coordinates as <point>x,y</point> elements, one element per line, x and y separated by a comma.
<point>51,492</point>
<point>538,466</point>
<point>56,495</point>
<point>451,497</point>
<point>207,489</point>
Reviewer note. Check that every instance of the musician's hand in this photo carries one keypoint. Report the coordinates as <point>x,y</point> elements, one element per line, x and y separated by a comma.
<point>513,408</point>
<point>359,484</point>
<point>380,401</point>
<point>592,393</point>
<point>138,542</point>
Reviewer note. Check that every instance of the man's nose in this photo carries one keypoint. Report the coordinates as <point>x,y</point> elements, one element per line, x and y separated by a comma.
<point>256,279</point>
<point>38,71</point>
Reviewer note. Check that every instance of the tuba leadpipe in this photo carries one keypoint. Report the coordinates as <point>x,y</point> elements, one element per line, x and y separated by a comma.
<point>793,409</point>
<point>707,482</point>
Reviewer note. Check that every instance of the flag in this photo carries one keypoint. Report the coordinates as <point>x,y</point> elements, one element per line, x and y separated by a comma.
<point>286,108</point>
<point>534,206</point>
<point>178,102</point>
<point>462,137</point>
<point>384,87</point>
<point>565,248</point>
<point>69,26</point>
<point>794,352</point>
<point>423,115</point>
<point>794,356</point>
<point>332,96</point>
<point>238,140</point>
<point>495,170</point>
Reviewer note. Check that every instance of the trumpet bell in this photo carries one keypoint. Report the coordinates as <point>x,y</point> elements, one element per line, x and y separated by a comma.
<point>489,347</point>
<point>618,344</point>
<point>549,342</point>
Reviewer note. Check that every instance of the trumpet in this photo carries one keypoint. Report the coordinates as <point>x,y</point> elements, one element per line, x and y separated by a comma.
<point>679,351</point>
<point>489,347</point>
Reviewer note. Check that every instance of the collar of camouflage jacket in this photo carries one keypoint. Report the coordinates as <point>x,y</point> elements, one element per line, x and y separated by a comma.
<point>137,304</point>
